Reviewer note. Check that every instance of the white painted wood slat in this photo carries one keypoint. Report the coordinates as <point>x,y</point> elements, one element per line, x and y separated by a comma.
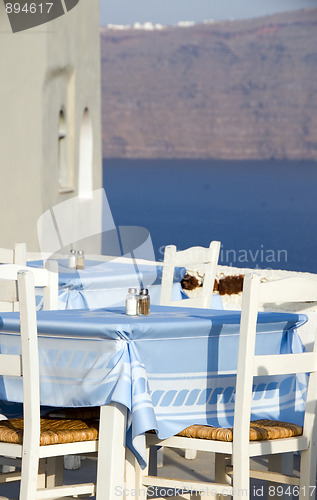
<point>285,363</point>
<point>11,365</point>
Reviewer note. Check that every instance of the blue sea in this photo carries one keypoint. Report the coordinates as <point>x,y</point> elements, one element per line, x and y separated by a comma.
<point>263,212</point>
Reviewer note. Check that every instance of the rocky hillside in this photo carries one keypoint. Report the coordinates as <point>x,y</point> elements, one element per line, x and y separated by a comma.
<point>234,90</point>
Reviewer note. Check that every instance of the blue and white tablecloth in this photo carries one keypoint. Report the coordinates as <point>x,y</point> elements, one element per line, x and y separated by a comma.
<point>171,369</point>
<point>104,284</point>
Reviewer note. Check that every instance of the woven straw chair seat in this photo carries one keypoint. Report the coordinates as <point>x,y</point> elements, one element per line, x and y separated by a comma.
<point>53,431</point>
<point>260,430</point>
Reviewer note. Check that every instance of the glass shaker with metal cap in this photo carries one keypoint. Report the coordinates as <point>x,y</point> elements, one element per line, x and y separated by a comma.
<point>131,302</point>
<point>144,302</point>
<point>80,260</point>
<point>72,259</point>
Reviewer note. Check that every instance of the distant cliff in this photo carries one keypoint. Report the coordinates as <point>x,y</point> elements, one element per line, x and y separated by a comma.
<point>235,90</point>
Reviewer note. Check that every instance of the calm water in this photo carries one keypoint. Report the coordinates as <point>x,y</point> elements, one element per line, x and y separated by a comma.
<point>263,212</point>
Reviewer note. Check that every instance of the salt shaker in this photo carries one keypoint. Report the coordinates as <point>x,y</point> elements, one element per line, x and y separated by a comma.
<point>80,260</point>
<point>144,302</point>
<point>72,259</point>
<point>131,303</point>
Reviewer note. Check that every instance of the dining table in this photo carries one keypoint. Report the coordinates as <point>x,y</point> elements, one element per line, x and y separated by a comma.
<point>105,282</point>
<point>163,372</point>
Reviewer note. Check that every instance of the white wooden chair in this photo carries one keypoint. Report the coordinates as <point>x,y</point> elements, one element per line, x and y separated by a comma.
<point>28,445</point>
<point>15,256</point>
<point>48,282</point>
<point>190,258</point>
<point>250,365</point>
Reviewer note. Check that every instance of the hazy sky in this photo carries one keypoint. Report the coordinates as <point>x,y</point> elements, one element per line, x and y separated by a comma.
<point>170,12</point>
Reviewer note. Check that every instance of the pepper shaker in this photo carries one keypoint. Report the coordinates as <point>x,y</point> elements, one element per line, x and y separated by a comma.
<point>144,302</point>
<point>80,260</point>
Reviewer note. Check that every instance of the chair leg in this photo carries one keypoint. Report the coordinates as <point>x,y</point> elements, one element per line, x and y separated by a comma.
<point>8,468</point>
<point>133,487</point>
<point>29,477</point>
<point>190,454</point>
<point>139,473</point>
<point>195,496</point>
<point>283,463</point>
<point>54,472</point>
<point>220,472</point>
<point>308,465</point>
<point>241,475</point>
<point>160,457</point>
<point>111,451</point>
<point>129,474</point>
<point>41,478</point>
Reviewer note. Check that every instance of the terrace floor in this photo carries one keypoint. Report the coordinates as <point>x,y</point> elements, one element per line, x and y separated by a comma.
<point>174,465</point>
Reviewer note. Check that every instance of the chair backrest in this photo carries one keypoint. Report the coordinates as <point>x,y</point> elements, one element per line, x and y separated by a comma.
<point>26,365</point>
<point>48,280</point>
<point>294,289</point>
<point>15,256</point>
<point>190,258</point>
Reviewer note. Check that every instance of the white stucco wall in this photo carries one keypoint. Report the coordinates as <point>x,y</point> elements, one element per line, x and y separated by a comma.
<point>43,70</point>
